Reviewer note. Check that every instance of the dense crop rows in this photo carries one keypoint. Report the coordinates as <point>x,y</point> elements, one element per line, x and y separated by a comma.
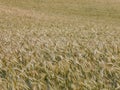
<point>56,52</point>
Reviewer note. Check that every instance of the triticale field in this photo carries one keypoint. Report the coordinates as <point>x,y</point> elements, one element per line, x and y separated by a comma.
<point>59,44</point>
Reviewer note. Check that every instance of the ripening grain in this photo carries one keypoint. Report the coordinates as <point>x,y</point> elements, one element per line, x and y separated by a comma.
<point>59,45</point>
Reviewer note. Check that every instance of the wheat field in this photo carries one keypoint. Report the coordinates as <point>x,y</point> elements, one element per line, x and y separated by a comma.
<point>59,44</point>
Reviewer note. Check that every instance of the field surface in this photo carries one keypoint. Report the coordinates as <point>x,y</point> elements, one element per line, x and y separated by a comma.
<point>59,44</point>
